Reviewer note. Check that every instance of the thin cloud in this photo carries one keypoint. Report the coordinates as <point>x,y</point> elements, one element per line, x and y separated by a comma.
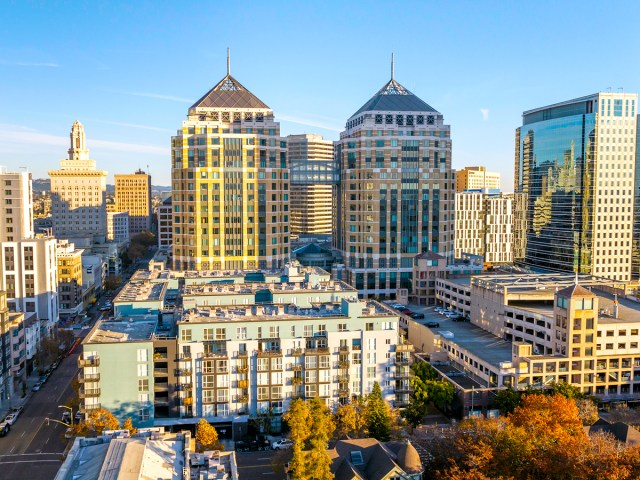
<point>158,96</point>
<point>132,125</point>
<point>305,121</point>
<point>485,114</point>
<point>29,64</point>
<point>11,135</point>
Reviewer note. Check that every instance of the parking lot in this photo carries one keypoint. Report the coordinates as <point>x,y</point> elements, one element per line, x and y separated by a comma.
<point>267,464</point>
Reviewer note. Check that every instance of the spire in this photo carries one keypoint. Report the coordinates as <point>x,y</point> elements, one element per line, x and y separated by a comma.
<point>78,150</point>
<point>392,66</point>
<point>228,61</point>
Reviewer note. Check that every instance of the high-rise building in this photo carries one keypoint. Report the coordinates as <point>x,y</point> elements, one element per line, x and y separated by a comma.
<point>78,195</point>
<point>396,193</point>
<point>133,195</point>
<point>575,161</point>
<point>476,178</point>
<point>16,198</point>
<point>484,225</point>
<point>69,278</point>
<point>165,225</point>
<point>313,179</point>
<point>230,183</point>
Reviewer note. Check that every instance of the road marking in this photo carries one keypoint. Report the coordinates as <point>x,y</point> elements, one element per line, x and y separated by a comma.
<point>2,462</point>
<point>12,449</point>
<point>265,458</point>
<point>48,438</point>
<point>23,434</point>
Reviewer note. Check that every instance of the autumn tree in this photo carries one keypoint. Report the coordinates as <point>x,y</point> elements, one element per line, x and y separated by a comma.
<point>128,425</point>
<point>102,419</point>
<point>318,461</point>
<point>206,436</point>
<point>378,415</point>
<point>350,420</point>
<point>587,411</point>
<point>298,417</point>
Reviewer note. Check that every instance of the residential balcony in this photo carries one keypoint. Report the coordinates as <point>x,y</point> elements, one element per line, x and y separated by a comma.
<point>244,354</point>
<point>344,364</point>
<point>317,351</point>
<point>183,357</point>
<point>403,361</point>
<point>183,372</point>
<point>160,372</point>
<point>243,369</point>
<point>89,408</point>
<point>297,367</point>
<point>160,387</point>
<point>160,357</point>
<point>296,352</point>
<point>88,362</point>
<point>242,399</point>
<point>270,353</point>
<point>243,383</point>
<point>296,381</point>
<point>88,377</point>
<point>92,392</point>
<point>215,355</point>
<point>343,349</point>
<point>343,393</point>
<point>403,373</point>
<point>184,386</point>
<point>343,378</point>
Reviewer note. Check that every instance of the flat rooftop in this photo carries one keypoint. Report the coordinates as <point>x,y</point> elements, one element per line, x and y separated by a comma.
<point>130,329</point>
<point>261,313</point>
<point>544,283</point>
<point>141,292</point>
<point>251,288</point>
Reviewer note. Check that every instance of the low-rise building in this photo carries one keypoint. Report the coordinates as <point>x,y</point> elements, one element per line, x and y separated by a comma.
<point>118,226</point>
<point>254,348</point>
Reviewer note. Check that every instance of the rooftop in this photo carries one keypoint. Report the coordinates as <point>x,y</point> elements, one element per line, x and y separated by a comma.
<point>536,281</point>
<point>393,97</point>
<point>229,94</point>
<point>141,292</point>
<point>251,288</point>
<point>129,329</point>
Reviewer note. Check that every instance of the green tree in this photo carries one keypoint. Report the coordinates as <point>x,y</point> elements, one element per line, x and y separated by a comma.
<point>566,390</point>
<point>318,461</point>
<point>378,415</point>
<point>206,436</point>
<point>507,400</point>
<point>298,417</point>
<point>111,283</point>
<point>427,389</point>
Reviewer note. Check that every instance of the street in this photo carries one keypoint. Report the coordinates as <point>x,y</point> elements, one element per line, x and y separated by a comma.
<point>32,449</point>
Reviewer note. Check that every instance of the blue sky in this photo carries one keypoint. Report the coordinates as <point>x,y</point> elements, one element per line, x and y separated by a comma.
<point>129,70</point>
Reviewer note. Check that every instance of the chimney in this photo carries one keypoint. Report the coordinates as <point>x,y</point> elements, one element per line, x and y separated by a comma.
<point>615,306</point>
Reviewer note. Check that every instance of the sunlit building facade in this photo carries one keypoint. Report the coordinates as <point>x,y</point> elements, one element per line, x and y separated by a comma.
<point>575,162</point>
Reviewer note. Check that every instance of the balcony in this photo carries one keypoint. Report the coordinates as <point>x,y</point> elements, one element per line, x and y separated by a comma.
<point>243,383</point>
<point>296,381</point>
<point>242,399</point>
<point>183,357</point>
<point>88,362</point>
<point>316,351</point>
<point>160,357</point>
<point>343,378</point>
<point>183,372</point>
<point>89,408</point>
<point>297,367</point>
<point>160,372</point>
<point>243,354</point>
<point>243,369</point>
<point>161,387</point>
<point>403,361</point>
<point>343,393</point>
<point>403,373</point>
<point>215,355</point>
<point>88,377</point>
<point>344,364</point>
<point>343,349</point>
<point>270,353</point>
<point>87,393</point>
<point>181,387</point>
<point>296,352</point>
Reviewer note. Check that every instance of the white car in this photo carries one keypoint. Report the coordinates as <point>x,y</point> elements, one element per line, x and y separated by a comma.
<point>11,418</point>
<point>283,444</point>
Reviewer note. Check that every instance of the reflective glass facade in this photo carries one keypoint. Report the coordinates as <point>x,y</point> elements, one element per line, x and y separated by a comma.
<point>555,168</point>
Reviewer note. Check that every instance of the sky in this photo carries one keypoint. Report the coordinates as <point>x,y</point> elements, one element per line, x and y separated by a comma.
<point>130,70</point>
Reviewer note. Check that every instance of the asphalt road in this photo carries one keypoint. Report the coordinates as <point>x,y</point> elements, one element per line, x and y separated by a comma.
<point>261,464</point>
<point>32,449</point>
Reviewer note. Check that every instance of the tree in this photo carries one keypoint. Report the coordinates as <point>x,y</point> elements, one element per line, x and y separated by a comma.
<point>298,418</point>
<point>350,420</point>
<point>567,390</point>
<point>318,461</point>
<point>587,411</point>
<point>101,420</point>
<point>262,421</point>
<point>112,282</point>
<point>377,414</point>
<point>206,436</point>
<point>136,251</point>
<point>128,425</point>
<point>507,400</point>
<point>427,389</point>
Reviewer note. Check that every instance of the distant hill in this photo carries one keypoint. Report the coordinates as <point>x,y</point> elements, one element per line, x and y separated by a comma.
<point>41,185</point>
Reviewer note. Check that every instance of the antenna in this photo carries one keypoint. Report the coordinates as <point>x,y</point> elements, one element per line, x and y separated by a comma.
<point>228,61</point>
<point>392,66</point>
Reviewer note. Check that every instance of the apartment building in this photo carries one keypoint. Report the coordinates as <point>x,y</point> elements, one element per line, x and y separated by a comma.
<point>16,198</point>
<point>576,164</point>
<point>230,184</point>
<point>529,330</point>
<point>118,226</point>
<point>396,190</point>
<point>69,278</point>
<point>78,195</point>
<point>484,225</point>
<point>237,349</point>
<point>133,195</point>
<point>165,225</point>
<point>477,178</point>
<point>314,175</point>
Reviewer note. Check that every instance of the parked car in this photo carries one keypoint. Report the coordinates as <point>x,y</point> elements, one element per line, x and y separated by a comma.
<point>417,316</point>
<point>4,428</point>
<point>457,318</point>
<point>17,410</point>
<point>104,309</point>
<point>433,324</point>
<point>283,444</point>
<point>11,418</point>
<point>68,433</point>
<point>36,387</point>
<point>66,417</point>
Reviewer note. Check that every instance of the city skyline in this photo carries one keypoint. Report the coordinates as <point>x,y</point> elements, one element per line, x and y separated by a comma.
<point>129,80</point>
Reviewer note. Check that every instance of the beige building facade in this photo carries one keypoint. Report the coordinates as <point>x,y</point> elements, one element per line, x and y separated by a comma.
<point>16,198</point>
<point>133,195</point>
<point>230,184</point>
<point>476,178</point>
<point>78,194</point>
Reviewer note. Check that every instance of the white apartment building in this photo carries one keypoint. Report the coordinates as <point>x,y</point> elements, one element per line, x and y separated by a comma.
<point>484,226</point>
<point>165,225</point>
<point>16,218</point>
<point>78,195</point>
<point>477,178</point>
<point>118,226</point>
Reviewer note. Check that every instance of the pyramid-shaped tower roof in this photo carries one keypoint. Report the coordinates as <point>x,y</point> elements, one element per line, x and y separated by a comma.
<point>229,93</point>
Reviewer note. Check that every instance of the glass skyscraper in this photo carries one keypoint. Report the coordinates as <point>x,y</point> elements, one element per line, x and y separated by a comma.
<point>575,162</point>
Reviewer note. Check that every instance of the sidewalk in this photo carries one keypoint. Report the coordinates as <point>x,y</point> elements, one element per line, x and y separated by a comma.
<point>17,399</point>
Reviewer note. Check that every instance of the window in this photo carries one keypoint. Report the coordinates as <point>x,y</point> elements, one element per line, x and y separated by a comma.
<point>369,327</point>
<point>143,370</point>
<point>143,414</point>
<point>221,333</point>
<point>308,330</point>
<point>207,334</point>
<point>241,333</point>
<point>143,384</point>
<point>185,335</point>
<point>342,327</point>
<point>142,355</point>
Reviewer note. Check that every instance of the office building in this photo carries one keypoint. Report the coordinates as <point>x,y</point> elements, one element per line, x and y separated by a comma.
<point>78,195</point>
<point>69,278</point>
<point>313,179</point>
<point>133,195</point>
<point>575,162</point>
<point>477,178</point>
<point>165,224</point>
<point>484,226</point>
<point>6,383</point>
<point>531,330</point>
<point>16,198</point>
<point>230,184</point>
<point>118,226</point>
<point>396,193</point>
<point>241,343</point>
